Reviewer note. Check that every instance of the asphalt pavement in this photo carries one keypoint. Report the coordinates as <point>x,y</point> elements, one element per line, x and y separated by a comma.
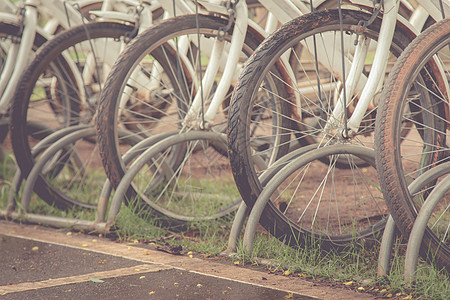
<point>47,263</point>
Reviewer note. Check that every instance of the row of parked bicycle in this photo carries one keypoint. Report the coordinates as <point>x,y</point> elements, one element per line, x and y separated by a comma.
<point>186,107</point>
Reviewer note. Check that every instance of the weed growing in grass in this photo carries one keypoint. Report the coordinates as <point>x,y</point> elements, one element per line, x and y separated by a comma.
<point>430,282</point>
<point>130,226</point>
<point>347,264</point>
<point>209,238</point>
<point>354,266</point>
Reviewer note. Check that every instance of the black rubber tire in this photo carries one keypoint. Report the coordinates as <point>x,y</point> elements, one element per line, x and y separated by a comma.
<point>22,106</point>
<point>260,63</point>
<point>148,42</point>
<point>415,72</point>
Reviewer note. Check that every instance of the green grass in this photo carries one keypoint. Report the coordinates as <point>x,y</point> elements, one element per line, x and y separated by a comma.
<point>354,267</point>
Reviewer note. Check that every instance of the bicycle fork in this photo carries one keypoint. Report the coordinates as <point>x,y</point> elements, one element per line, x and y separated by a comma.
<point>375,79</point>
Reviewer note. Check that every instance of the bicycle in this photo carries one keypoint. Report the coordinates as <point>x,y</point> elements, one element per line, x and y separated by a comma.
<point>258,130</point>
<point>417,96</point>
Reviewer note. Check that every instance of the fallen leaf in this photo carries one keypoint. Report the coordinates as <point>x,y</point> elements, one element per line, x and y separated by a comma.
<point>175,283</point>
<point>69,233</point>
<point>199,285</point>
<point>129,248</point>
<point>147,253</point>
<point>407,297</point>
<point>361,288</point>
<point>35,248</point>
<point>100,235</point>
<point>84,245</point>
<point>94,241</point>
<point>190,253</point>
<point>348,283</point>
<point>96,280</point>
<point>236,262</point>
<point>151,293</point>
<point>32,267</point>
<point>137,270</point>
<point>287,272</point>
<point>142,277</point>
<point>69,290</point>
<point>289,296</point>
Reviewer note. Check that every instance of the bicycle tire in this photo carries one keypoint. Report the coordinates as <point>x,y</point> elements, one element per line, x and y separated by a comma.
<point>154,41</point>
<point>252,78</point>
<point>417,88</point>
<point>48,95</point>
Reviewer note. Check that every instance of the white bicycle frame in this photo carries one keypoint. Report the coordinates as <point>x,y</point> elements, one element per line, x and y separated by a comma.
<point>65,15</point>
<point>285,10</point>
<point>377,73</point>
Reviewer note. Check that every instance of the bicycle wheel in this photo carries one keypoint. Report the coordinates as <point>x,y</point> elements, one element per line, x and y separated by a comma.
<point>311,88</point>
<point>416,95</point>
<point>168,54</point>
<point>310,201</point>
<point>59,89</point>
